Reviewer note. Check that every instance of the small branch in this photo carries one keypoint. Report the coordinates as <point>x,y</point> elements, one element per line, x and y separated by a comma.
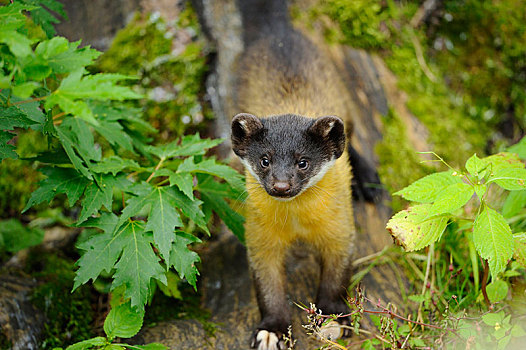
<point>484,282</point>
<point>155,170</point>
<point>423,12</point>
<point>360,261</point>
<point>420,58</point>
<point>56,116</point>
<point>30,100</point>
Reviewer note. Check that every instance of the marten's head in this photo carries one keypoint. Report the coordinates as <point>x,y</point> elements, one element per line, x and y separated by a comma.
<point>287,153</point>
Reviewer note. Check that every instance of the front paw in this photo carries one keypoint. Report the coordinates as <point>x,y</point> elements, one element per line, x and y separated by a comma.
<point>266,340</point>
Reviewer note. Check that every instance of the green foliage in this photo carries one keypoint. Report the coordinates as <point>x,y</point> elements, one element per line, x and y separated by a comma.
<point>415,228</point>
<point>487,40</point>
<point>158,196</point>
<point>171,76</point>
<point>14,236</point>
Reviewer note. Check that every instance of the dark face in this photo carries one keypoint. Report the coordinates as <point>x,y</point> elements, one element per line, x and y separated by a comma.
<point>287,153</point>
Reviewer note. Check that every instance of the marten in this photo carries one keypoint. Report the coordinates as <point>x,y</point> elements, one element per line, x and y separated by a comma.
<point>291,139</point>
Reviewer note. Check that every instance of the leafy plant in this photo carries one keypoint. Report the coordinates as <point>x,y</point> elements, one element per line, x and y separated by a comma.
<point>146,199</point>
<point>439,196</point>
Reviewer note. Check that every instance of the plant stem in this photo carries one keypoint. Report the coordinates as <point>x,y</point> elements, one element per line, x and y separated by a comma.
<point>484,282</point>
<point>30,100</point>
<point>155,170</point>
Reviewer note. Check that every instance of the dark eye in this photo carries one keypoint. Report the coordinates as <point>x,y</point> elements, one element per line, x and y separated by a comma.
<point>303,164</point>
<point>264,162</point>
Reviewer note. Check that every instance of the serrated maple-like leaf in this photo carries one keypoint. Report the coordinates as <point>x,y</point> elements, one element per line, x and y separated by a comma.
<point>184,181</point>
<point>30,109</point>
<point>428,188</point>
<point>190,209</point>
<point>12,117</point>
<point>191,145</point>
<point>493,239</point>
<point>162,220</point>
<point>101,252</point>
<point>413,229</point>
<point>137,266</point>
<point>59,180</point>
<point>97,194</point>
<point>114,164</point>
<point>183,259</point>
<point>6,151</point>
<point>115,134</point>
<point>233,220</point>
<point>44,18</point>
<point>212,167</point>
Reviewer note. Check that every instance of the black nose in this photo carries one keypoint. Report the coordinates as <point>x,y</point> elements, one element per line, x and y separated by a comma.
<point>281,188</point>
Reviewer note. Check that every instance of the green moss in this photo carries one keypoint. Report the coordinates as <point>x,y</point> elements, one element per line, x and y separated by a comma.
<point>400,165</point>
<point>171,63</point>
<point>69,316</point>
<point>18,178</point>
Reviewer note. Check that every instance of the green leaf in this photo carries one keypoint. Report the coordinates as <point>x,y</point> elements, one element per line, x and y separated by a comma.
<point>190,209</point>
<point>59,180</point>
<point>493,239</point>
<point>30,109</point>
<point>101,253</point>
<point>115,134</point>
<point>191,145</point>
<point>6,151</point>
<point>480,190</point>
<point>24,90</point>
<point>96,86</point>
<point>19,44</point>
<point>114,164</point>
<point>211,167</point>
<point>72,58</point>
<point>519,252</point>
<point>97,194</point>
<point>503,160</point>
<point>123,321</point>
<point>12,117</point>
<point>137,266</point>
<point>510,179</point>
<point>515,201</point>
<point>497,291</point>
<point>185,182</point>
<point>476,166</point>
<point>492,319</point>
<point>428,188</point>
<point>16,236</point>
<point>183,259</point>
<point>519,148</point>
<point>162,220</point>
<point>171,289</point>
<point>11,16</point>
<point>44,18</point>
<point>412,229</point>
<point>88,344</point>
<point>233,220</point>
<point>452,198</point>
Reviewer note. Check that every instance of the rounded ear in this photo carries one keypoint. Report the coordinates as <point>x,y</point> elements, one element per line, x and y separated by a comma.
<point>244,125</point>
<point>330,129</point>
